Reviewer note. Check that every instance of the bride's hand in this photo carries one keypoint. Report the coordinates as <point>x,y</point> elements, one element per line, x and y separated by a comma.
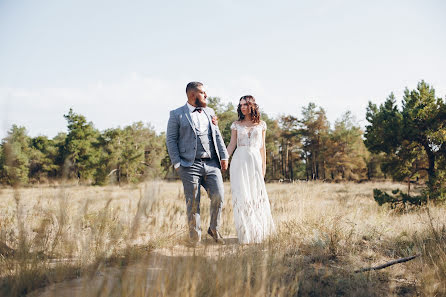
<point>215,120</point>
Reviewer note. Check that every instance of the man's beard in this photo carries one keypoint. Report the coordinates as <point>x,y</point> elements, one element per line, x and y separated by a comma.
<point>198,103</point>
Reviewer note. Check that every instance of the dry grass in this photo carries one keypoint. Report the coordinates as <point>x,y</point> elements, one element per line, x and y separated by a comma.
<point>128,241</point>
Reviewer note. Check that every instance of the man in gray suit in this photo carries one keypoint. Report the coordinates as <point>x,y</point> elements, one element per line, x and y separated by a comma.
<point>198,152</point>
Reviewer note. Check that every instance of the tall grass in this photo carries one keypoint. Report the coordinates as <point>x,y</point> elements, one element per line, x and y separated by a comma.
<point>129,241</point>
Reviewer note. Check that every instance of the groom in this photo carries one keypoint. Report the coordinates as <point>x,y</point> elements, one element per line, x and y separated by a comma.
<point>197,151</point>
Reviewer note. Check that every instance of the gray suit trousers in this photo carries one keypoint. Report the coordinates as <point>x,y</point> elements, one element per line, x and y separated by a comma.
<point>204,173</point>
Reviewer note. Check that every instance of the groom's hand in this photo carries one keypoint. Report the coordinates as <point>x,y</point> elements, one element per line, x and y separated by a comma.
<point>224,165</point>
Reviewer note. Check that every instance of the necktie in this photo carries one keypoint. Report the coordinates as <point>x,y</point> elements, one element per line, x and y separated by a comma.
<point>197,109</point>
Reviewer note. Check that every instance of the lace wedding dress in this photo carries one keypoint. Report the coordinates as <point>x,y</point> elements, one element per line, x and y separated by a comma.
<point>252,212</point>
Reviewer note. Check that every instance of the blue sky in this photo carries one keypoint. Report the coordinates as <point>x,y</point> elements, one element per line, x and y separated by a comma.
<point>118,62</point>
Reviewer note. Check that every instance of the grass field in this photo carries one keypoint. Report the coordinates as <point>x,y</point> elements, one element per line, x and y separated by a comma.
<point>129,241</point>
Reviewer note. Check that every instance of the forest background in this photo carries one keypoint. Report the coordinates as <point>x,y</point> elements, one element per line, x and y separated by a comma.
<point>404,142</point>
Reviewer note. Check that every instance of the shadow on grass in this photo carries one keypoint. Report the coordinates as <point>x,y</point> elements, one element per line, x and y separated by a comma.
<point>274,268</point>
<point>31,271</point>
<point>260,270</point>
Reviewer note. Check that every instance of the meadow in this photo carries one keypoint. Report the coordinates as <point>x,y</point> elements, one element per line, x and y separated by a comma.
<point>70,240</point>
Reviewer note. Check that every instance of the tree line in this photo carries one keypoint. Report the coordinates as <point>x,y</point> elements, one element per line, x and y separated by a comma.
<point>129,154</point>
<point>404,144</point>
<point>307,147</point>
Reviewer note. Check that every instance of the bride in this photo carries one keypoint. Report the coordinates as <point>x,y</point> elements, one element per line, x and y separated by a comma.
<point>252,213</point>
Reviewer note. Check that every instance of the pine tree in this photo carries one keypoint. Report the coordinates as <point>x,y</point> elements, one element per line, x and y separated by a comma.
<point>14,159</point>
<point>315,129</point>
<point>272,143</point>
<point>290,144</point>
<point>347,153</point>
<point>43,159</point>
<point>132,153</point>
<point>413,139</point>
<point>81,149</point>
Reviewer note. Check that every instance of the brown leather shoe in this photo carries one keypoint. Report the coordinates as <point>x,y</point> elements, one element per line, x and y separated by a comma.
<point>216,236</point>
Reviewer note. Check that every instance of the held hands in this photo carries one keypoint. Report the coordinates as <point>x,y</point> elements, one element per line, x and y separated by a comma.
<point>224,165</point>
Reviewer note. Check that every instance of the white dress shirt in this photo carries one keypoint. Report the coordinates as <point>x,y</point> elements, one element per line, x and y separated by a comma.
<point>201,122</point>
<point>200,119</point>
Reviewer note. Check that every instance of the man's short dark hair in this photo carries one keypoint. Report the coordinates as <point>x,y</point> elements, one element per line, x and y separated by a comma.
<point>193,86</point>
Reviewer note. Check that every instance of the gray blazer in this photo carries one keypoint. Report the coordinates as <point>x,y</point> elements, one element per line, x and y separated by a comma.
<point>181,137</point>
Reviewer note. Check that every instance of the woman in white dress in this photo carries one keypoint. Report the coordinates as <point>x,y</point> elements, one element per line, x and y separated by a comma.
<point>252,212</point>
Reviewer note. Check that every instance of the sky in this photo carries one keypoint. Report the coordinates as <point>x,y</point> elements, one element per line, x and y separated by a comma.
<point>119,62</point>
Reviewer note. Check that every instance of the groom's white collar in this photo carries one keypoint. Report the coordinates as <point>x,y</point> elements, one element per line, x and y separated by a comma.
<point>191,107</point>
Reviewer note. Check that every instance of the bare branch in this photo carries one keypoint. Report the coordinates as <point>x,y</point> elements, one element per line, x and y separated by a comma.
<point>111,172</point>
<point>402,260</point>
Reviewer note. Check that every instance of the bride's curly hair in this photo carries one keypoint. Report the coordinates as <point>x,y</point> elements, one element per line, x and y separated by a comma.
<point>253,109</point>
